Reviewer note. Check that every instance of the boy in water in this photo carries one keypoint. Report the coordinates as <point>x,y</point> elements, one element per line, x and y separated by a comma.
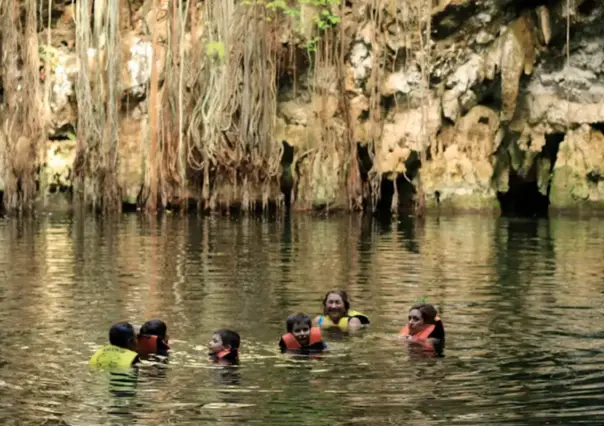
<point>224,347</point>
<point>153,338</point>
<point>301,336</point>
<point>121,351</point>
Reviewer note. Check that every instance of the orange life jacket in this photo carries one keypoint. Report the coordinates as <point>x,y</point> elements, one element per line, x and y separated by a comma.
<point>291,343</point>
<point>147,345</point>
<point>422,336</point>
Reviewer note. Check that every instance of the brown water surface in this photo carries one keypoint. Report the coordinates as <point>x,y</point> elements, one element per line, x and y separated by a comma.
<point>522,303</point>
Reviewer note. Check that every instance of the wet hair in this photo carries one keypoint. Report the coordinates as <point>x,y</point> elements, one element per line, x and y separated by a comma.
<point>428,312</point>
<point>154,327</point>
<point>122,335</point>
<point>299,318</point>
<point>340,293</point>
<point>229,338</point>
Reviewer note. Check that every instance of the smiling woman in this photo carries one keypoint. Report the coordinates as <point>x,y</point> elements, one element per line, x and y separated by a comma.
<point>337,313</point>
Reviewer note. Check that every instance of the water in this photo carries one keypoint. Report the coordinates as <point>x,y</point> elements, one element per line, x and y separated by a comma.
<point>521,301</point>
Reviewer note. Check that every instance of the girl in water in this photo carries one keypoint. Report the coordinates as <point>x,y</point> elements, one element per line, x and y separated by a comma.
<point>424,329</point>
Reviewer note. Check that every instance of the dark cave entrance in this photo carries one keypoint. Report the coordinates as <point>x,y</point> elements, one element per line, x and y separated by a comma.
<point>405,189</point>
<point>523,198</point>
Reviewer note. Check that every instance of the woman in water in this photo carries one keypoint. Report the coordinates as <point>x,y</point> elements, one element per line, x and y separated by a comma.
<point>424,329</point>
<point>337,313</point>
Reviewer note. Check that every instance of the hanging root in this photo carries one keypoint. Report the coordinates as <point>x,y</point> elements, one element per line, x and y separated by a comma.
<point>23,115</point>
<point>95,167</point>
<point>233,100</point>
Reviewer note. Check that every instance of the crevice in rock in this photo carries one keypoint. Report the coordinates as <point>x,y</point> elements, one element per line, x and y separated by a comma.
<point>65,132</point>
<point>488,93</point>
<point>287,177</point>
<point>587,7</point>
<point>598,126</point>
<point>404,186</point>
<point>448,21</point>
<point>524,198</point>
<point>387,102</point>
<point>384,204</point>
<point>550,151</point>
<point>520,6</point>
<point>365,161</point>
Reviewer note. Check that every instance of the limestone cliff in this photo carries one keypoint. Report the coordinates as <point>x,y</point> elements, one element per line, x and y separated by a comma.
<point>454,104</point>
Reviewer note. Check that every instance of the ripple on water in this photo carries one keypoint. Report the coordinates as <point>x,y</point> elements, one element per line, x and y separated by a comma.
<point>521,301</point>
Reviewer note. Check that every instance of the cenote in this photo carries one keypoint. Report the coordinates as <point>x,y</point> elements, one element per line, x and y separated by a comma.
<point>521,300</point>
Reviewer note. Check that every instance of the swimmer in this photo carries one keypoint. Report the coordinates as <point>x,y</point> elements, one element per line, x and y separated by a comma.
<point>121,351</point>
<point>424,329</point>
<point>224,347</point>
<point>301,336</point>
<point>153,338</point>
<point>337,313</point>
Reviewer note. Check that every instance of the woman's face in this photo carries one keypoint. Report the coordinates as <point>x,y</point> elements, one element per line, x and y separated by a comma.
<point>334,306</point>
<point>416,322</point>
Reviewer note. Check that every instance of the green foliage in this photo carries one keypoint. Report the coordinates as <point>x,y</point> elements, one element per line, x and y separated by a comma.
<point>49,53</point>
<point>215,49</point>
<point>324,19</point>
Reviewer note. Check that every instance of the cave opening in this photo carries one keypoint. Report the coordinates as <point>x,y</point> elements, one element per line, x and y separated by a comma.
<point>405,189</point>
<point>523,198</point>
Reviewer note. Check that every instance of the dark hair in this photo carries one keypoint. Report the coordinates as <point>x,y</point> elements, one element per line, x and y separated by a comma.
<point>299,318</point>
<point>122,335</point>
<point>229,337</point>
<point>340,293</point>
<point>154,327</point>
<point>428,312</point>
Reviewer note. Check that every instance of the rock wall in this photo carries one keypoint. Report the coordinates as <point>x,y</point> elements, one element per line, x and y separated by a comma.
<point>491,105</point>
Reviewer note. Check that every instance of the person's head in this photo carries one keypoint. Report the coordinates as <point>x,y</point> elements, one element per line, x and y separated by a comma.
<point>224,340</point>
<point>335,304</point>
<point>122,335</point>
<point>155,327</point>
<point>299,325</point>
<point>420,316</point>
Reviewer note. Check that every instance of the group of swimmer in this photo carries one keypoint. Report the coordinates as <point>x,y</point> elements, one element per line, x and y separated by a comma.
<point>424,330</point>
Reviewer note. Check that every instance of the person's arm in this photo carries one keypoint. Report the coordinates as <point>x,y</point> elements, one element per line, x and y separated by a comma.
<point>354,324</point>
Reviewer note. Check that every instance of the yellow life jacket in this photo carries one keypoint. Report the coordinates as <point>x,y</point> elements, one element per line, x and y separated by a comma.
<point>112,357</point>
<point>326,322</point>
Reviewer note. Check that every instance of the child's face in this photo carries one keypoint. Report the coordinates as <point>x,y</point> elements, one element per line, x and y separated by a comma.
<point>215,344</point>
<point>416,321</point>
<point>301,332</point>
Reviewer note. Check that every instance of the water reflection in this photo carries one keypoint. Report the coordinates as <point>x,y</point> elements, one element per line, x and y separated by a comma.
<point>521,302</point>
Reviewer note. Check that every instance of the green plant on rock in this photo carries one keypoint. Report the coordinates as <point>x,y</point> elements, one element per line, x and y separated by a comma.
<point>324,19</point>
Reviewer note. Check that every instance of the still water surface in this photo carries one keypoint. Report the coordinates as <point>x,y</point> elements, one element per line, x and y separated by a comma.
<point>522,303</point>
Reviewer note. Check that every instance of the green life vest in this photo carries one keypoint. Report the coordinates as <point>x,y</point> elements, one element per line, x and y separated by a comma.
<point>112,357</point>
<point>326,322</point>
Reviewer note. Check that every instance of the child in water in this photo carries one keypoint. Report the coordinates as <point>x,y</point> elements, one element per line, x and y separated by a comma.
<point>153,338</point>
<point>224,347</point>
<point>424,329</point>
<point>301,336</point>
<point>121,351</point>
